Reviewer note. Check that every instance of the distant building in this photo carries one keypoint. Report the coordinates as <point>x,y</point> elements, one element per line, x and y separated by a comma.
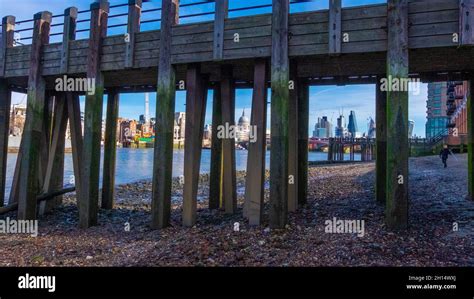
<point>352,128</point>
<point>341,130</point>
<point>371,131</point>
<point>458,92</point>
<point>323,128</point>
<point>243,128</point>
<point>179,126</point>
<point>411,127</point>
<point>17,120</point>
<point>437,118</point>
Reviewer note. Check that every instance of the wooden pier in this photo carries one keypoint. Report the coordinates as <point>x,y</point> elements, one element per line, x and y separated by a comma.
<point>288,52</point>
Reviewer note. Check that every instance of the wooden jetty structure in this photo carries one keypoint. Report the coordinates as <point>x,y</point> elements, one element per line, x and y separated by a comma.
<point>337,148</point>
<point>288,52</point>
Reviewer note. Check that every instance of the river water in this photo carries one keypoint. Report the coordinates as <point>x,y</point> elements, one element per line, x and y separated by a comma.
<point>137,164</point>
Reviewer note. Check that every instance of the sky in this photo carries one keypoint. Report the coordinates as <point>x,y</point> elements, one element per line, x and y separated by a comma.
<point>324,100</point>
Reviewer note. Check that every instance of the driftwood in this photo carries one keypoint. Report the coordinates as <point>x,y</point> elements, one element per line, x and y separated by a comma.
<point>39,198</point>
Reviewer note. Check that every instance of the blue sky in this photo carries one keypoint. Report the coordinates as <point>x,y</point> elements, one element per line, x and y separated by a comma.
<point>324,100</point>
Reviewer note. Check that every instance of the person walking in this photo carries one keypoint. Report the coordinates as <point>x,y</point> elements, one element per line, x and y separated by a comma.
<point>443,154</point>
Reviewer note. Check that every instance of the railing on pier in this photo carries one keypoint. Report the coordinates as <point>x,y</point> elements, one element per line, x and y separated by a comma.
<point>191,11</point>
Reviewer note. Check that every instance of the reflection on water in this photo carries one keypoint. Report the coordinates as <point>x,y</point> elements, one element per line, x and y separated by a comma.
<point>137,164</point>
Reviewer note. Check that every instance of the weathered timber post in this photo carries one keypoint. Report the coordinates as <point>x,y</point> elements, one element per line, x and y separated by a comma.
<point>466,22</point>
<point>54,177</point>
<point>32,134</point>
<point>215,190</point>
<point>74,115</point>
<point>69,34</point>
<point>279,115</point>
<point>397,117</point>
<point>93,118</point>
<point>335,26</point>
<point>255,179</point>
<point>196,98</point>
<point>470,140</point>
<point>330,149</point>
<point>303,126</point>
<point>229,181</point>
<point>133,27</point>
<point>165,105</point>
<point>222,8</point>
<point>293,139</point>
<point>110,149</point>
<point>6,41</point>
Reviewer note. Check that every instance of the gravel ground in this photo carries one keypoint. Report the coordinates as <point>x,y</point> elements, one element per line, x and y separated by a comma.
<point>437,201</point>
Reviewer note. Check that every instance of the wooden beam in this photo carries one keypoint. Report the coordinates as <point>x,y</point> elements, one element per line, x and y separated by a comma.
<point>255,180</point>
<point>470,140</point>
<point>381,140</point>
<point>279,115</point>
<point>335,27</point>
<point>396,214</point>
<point>54,172</point>
<point>215,190</point>
<point>303,127</point>
<point>229,180</point>
<point>222,8</point>
<point>75,127</point>
<point>32,134</point>
<point>466,22</point>
<point>165,106</point>
<point>69,34</point>
<point>6,40</point>
<point>93,118</point>
<point>196,98</point>
<point>110,150</point>
<point>133,27</point>
<point>293,140</point>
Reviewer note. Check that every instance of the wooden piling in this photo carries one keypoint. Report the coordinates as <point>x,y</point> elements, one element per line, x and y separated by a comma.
<point>396,215</point>
<point>466,22</point>
<point>133,27</point>
<point>222,8</point>
<point>335,27</point>
<point>5,102</point>
<point>470,140</point>
<point>6,41</point>
<point>69,34</point>
<point>255,179</point>
<point>279,115</point>
<point>110,149</point>
<point>293,139</point>
<point>303,127</point>
<point>215,190</point>
<point>381,140</point>
<point>75,127</point>
<point>54,176</point>
<point>229,181</point>
<point>165,106</point>
<point>93,118</point>
<point>32,134</point>
<point>196,99</point>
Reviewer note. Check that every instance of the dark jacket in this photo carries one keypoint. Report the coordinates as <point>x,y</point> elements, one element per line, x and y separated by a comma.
<point>444,153</point>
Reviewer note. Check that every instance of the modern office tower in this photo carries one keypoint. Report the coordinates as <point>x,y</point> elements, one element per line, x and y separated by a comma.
<point>323,128</point>
<point>352,127</point>
<point>437,118</point>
